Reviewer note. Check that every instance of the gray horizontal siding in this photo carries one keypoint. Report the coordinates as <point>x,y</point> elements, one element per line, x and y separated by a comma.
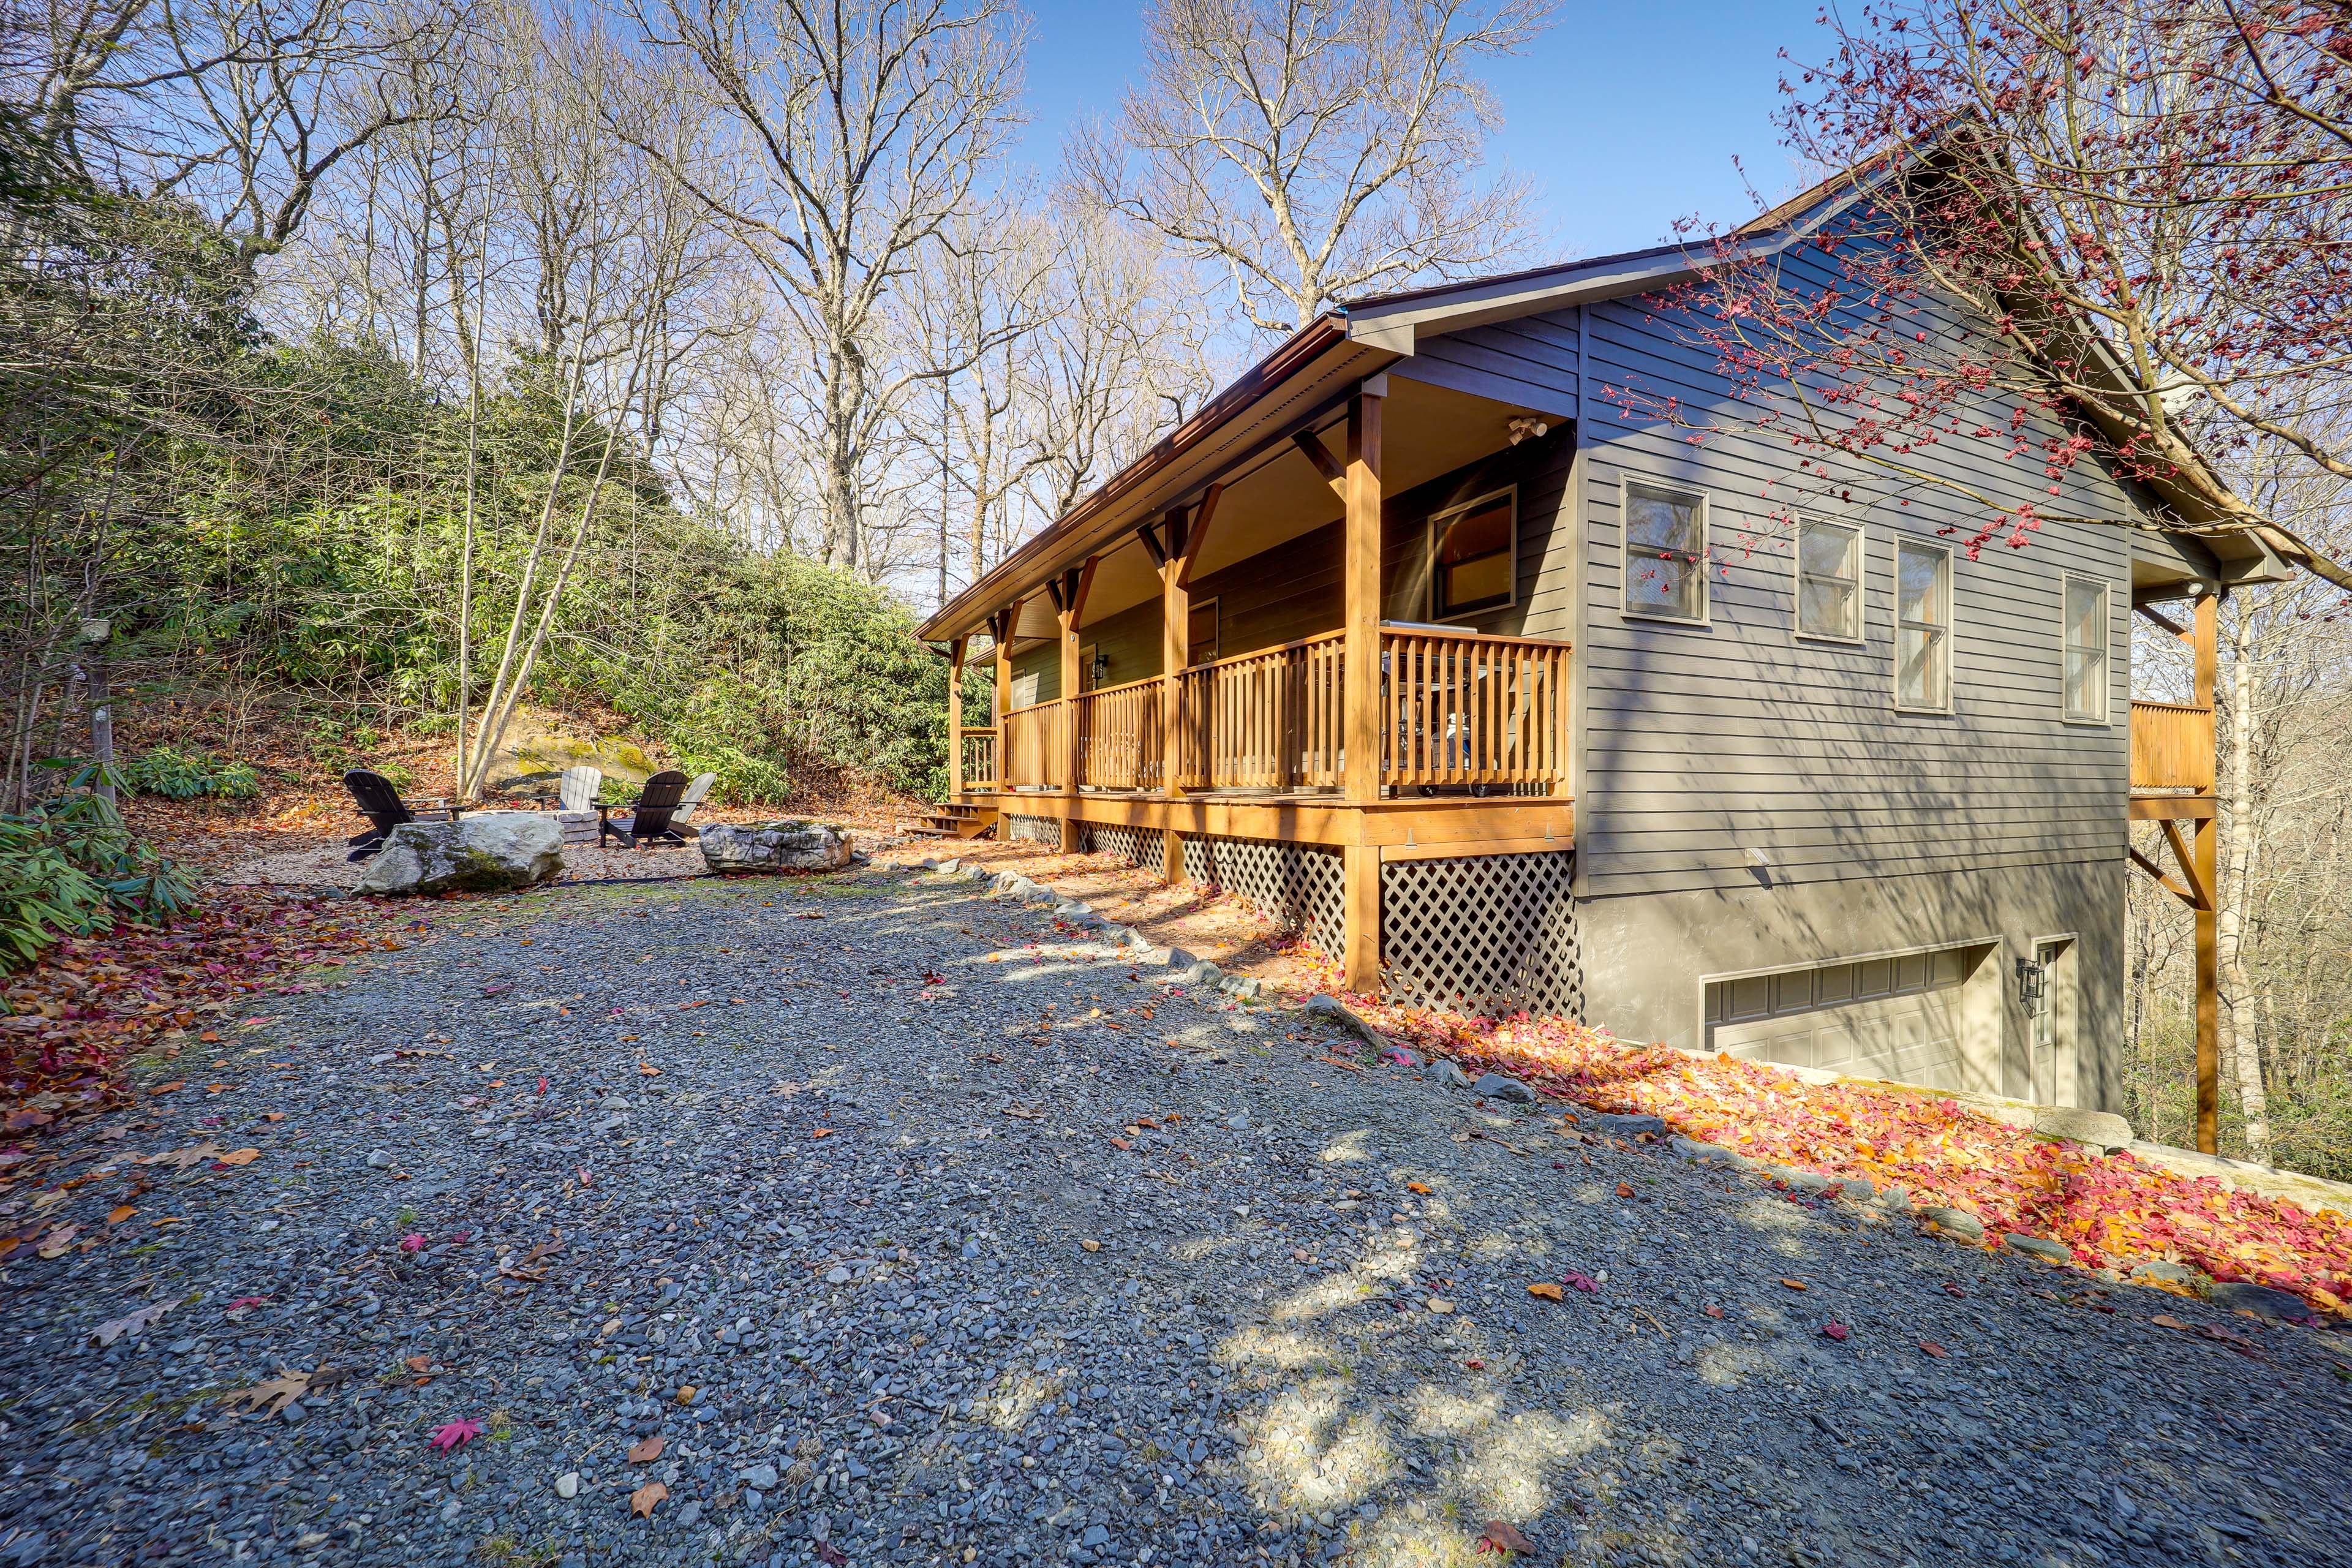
<point>1701,743</point>
<point>1531,361</point>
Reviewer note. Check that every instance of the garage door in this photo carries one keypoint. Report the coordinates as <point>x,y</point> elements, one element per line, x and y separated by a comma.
<point>1895,1017</point>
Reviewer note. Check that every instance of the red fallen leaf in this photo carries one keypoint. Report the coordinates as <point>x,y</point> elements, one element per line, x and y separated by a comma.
<point>1499,1537</point>
<point>1475,1366</point>
<point>1834,1330</point>
<point>1952,1289</point>
<point>831,1555</point>
<point>245,1301</point>
<point>1714,1311</point>
<point>455,1434</point>
<point>1583,1282</point>
<point>411,1242</point>
<point>1933,1348</point>
<point>542,1085</point>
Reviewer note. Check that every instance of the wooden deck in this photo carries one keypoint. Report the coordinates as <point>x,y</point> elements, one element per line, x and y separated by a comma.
<point>2171,761</point>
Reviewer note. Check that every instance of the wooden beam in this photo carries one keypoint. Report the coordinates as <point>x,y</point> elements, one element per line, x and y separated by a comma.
<point>1359,728</point>
<point>1001,627</point>
<point>1071,602</point>
<point>955,717</point>
<point>1334,472</point>
<point>1359,868</point>
<point>2200,891</point>
<point>1175,622</point>
<point>1152,546</point>
<point>2163,878</point>
<point>2181,807</point>
<point>2207,882</point>
<point>2177,631</point>
<point>1197,535</point>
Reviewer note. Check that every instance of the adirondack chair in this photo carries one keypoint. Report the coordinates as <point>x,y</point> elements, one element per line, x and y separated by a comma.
<point>580,787</point>
<point>381,805</point>
<point>647,821</point>
<point>688,801</point>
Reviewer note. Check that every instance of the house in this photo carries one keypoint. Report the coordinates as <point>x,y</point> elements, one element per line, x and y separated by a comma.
<point>1411,637</point>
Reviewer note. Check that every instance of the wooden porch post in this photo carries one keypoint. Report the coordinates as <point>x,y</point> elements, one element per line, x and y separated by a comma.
<point>1069,604</point>
<point>1001,627</point>
<point>1361,678</point>
<point>2209,917</point>
<point>955,717</point>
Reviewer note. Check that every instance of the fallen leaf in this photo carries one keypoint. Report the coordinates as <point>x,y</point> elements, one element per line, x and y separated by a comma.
<point>1500,1537</point>
<point>1416,1187</point>
<point>241,1157</point>
<point>1933,1348</point>
<point>455,1434</point>
<point>117,1216</point>
<point>1713,1311</point>
<point>1624,1190</point>
<point>646,1452</point>
<point>1584,1282</point>
<point>282,1390</point>
<point>2166,1321</point>
<point>55,1245</point>
<point>1545,1290</point>
<point>1834,1330</point>
<point>1952,1289</point>
<point>1794,1284</point>
<point>134,1323</point>
<point>646,1499</point>
<point>1440,1305</point>
<point>419,1365</point>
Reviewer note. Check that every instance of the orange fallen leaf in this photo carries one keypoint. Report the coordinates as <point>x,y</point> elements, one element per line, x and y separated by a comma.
<point>646,1452</point>
<point>1624,1190</point>
<point>821,1132</point>
<point>1416,1187</point>
<point>644,1500</point>
<point>2166,1321</point>
<point>1546,1290</point>
<point>1120,1144</point>
<point>1714,1311</point>
<point>1794,1284</point>
<point>168,1087</point>
<point>119,1215</point>
<point>273,1116</point>
<point>239,1157</point>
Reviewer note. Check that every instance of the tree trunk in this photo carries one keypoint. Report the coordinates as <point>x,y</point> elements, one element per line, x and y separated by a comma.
<point>2240,1050</point>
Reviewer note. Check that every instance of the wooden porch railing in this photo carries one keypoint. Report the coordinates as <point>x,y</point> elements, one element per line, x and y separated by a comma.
<point>1267,719</point>
<point>2171,746</point>
<point>1456,709</point>
<point>1464,710</point>
<point>1031,745</point>
<point>978,756</point>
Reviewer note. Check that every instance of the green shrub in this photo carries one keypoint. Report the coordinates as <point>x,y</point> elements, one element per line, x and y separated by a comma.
<point>743,779</point>
<point>178,774</point>
<point>71,867</point>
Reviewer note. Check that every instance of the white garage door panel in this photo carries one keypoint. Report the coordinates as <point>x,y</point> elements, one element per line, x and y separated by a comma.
<point>1912,1039</point>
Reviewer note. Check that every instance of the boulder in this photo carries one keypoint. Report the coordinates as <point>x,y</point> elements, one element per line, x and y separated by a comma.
<point>785,846</point>
<point>1246,986</point>
<point>2100,1129</point>
<point>489,852</point>
<point>1503,1087</point>
<point>1811,1182</point>
<point>1323,1005</point>
<point>1618,1126</point>
<point>2048,1251</point>
<point>2159,1272</point>
<point>2264,1302</point>
<point>1959,1224</point>
<point>1449,1072</point>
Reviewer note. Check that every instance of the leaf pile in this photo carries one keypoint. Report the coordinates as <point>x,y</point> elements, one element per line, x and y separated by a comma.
<point>2110,1211</point>
<point>69,1021</point>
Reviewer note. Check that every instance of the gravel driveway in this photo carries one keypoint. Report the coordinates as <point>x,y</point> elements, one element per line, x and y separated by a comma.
<point>919,1231</point>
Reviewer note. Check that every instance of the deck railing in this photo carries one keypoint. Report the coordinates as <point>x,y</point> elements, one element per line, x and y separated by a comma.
<point>1031,740</point>
<point>2172,747</point>
<point>1267,719</point>
<point>1119,736</point>
<point>1456,710</point>
<point>978,757</point>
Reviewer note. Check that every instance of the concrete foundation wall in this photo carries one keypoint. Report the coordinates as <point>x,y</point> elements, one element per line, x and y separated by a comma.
<point>1648,958</point>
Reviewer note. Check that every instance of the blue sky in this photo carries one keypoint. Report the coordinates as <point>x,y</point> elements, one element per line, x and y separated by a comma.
<point>1627,115</point>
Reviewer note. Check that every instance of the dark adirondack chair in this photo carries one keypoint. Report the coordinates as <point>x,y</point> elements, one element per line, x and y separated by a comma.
<point>647,822</point>
<point>381,805</point>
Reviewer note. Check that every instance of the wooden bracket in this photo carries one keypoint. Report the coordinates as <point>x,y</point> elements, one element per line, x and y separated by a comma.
<point>1151,545</point>
<point>2200,897</point>
<point>1077,584</point>
<point>1334,472</point>
<point>2162,881</point>
<point>1197,535</point>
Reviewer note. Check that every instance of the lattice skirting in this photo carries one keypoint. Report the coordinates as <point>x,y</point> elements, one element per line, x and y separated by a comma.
<point>1034,829</point>
<point>1297,884</point>
<point>1487,934</point>
<point>1136,845</point>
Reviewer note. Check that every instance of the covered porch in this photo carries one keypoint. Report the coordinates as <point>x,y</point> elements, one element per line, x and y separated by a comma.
<point>1309,619</point>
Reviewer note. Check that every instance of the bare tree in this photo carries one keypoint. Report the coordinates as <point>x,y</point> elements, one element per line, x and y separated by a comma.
<point>853,134</point>
<point>1317,148</point>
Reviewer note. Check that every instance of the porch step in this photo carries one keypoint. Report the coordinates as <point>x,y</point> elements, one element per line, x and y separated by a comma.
<point>952,820</point>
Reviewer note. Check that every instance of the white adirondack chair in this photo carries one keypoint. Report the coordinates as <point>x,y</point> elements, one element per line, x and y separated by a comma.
<point>580,787</point>
<point>699,787</point>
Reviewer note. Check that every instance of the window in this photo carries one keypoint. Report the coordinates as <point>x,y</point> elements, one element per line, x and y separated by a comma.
<point>1474,558</point>
<point>2087,650</point>
<point>1201,633</point>
<point>1828,580</point>
<point>1665,553</point>
<point>1923,626</point>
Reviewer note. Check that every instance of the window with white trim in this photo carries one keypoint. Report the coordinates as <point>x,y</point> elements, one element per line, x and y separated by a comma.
<point>1923,626</point>
<point>2086,609</point>
<point>1473,557</point>
<point>1828,580</point>
<point>1666,553</point>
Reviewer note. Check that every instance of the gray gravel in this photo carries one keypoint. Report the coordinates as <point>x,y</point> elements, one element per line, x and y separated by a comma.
<point>869,1257</point>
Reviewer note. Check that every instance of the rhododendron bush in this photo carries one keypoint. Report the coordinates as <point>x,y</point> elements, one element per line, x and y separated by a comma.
<point>2111,1210</point>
